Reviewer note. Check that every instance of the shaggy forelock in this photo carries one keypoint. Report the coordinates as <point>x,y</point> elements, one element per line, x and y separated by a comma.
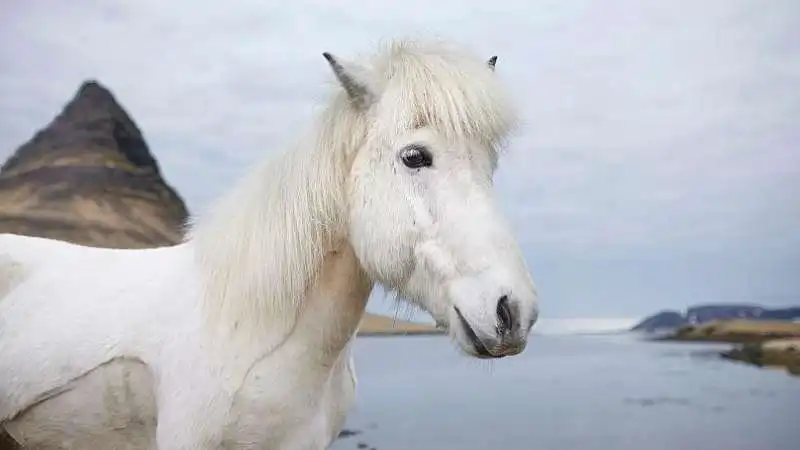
<point>430,83</point>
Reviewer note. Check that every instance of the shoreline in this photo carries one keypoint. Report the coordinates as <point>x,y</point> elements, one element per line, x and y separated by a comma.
<point>758,343</point>
<point>395,333</point>
<point>778,353</point>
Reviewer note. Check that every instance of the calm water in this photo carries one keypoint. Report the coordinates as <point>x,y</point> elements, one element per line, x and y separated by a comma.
<point>568,393</point>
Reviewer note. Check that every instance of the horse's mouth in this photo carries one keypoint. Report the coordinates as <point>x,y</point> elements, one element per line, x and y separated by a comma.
<point>477,344</point>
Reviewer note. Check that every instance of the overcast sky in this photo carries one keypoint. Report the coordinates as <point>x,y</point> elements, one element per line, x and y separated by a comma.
<point>658,164</point>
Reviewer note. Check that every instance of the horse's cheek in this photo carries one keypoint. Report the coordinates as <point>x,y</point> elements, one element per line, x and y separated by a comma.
<point>380,244</point>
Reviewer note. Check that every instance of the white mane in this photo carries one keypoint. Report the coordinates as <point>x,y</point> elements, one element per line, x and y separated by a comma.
<point>259,248</point>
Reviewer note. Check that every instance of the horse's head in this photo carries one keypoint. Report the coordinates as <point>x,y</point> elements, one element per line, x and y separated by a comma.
<point>422,219</point>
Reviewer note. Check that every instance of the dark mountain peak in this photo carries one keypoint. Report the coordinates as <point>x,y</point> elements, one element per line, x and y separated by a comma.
<point>93,89</point>
<point>90,84</point>
<point>94,122</point>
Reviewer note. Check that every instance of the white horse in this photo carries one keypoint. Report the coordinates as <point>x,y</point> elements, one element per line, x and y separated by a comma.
<point>240,337</point>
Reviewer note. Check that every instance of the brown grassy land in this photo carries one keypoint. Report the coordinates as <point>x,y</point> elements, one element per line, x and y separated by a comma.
<point>737,331</point>
<point>761,343</point>
<point>374,325</point>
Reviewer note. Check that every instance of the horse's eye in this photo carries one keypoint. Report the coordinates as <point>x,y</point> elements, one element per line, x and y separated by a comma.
<point>416,157</point>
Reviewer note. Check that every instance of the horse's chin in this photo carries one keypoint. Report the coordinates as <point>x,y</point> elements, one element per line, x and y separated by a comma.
<point>468,344</point>
<point>468,350</point>
<point>475,344</point>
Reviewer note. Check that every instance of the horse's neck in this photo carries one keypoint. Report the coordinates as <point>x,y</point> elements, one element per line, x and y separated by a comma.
<point>334,306</point>
<point>267,250</point>
<point>261,246</point>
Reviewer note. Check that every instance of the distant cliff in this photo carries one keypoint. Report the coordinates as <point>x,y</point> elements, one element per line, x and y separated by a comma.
<point>88,177</point>
<point>670,320</point>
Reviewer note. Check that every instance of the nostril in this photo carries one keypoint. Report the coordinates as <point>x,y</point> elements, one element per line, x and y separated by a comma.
<point>504,316</point>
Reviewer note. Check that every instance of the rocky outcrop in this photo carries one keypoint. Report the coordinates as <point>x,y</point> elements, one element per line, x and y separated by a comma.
<point>775,353</point>
<point>763,336</point>
<point>88,177</point>
<point>670,320</point>
<point>771,343</point>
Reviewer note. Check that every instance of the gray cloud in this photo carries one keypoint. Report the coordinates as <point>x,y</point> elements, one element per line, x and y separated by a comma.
<point>659,140</point>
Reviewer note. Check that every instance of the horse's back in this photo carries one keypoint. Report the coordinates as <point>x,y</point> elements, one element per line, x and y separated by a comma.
<point>23,256</point>
<point>20,256</point>
<point>68,309</point>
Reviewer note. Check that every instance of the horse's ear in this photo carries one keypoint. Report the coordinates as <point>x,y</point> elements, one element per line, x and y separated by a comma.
<point>492,61</point>
<point>348,77</point>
